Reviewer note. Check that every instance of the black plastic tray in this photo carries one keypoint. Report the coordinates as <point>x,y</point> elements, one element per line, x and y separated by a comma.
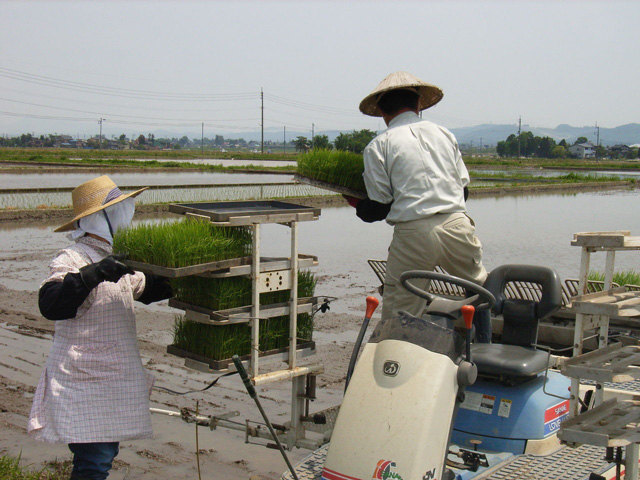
<point>224,211</point>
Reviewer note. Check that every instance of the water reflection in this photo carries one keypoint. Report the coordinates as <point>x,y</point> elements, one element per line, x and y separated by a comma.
<point>548,173</point>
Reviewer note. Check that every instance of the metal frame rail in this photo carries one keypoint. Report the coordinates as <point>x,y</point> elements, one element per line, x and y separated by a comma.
<point>610,423</point>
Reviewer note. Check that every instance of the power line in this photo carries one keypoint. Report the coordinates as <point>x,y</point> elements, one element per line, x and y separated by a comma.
<point>120,92</point>
<point>118,115</point>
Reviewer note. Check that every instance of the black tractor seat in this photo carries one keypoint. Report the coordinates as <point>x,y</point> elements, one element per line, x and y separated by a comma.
<point>497,359</point>
<point>516,355</point>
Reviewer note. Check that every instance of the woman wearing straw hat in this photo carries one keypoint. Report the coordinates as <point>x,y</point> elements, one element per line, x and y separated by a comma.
<point>417,181</point>
<point>94,391</point>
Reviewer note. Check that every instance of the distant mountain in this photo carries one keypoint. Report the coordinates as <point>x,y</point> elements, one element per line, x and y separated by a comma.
<point>491,134</point>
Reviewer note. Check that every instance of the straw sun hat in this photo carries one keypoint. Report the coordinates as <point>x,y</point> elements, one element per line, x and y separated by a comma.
<point>93,196</point>
<point>429,94</point>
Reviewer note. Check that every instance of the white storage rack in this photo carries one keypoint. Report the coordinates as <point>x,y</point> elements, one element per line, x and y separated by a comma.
<point>267,274</point>
<point>612,423</point>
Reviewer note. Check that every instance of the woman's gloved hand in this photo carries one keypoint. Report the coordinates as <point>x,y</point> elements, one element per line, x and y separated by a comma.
<point>109,269</point>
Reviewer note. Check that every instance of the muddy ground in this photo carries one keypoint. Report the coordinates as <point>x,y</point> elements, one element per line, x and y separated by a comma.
<point>25,339</point>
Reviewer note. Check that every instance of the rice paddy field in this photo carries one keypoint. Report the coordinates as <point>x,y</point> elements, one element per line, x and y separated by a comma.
<point>22,199</point>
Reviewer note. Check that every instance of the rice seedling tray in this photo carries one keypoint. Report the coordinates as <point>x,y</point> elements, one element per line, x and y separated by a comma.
<point>240,314</point>
<point>237,213</point>
<point>331,186</point>
<point>229,267</point>
<point>206,364</point>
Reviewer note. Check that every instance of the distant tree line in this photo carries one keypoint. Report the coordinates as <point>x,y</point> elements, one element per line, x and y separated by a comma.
<point>355,141</point>
<point>528,145</point>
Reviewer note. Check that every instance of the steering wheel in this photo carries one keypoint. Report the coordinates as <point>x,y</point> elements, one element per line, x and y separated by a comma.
<point>440,305</point>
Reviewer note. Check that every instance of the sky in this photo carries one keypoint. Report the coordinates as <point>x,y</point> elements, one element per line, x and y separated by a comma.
<point>193,67</point>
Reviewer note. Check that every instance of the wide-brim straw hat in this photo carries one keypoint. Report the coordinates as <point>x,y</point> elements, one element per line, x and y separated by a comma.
<point>429,94</point>
<point>93,196</point>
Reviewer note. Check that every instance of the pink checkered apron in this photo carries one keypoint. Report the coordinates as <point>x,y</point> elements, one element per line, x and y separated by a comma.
<point>94,387</point>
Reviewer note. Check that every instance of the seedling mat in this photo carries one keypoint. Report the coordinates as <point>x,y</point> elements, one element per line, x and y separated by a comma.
<point>330,186</point>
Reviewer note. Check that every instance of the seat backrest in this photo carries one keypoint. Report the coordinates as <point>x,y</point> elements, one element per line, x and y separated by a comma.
<point>521,316</point>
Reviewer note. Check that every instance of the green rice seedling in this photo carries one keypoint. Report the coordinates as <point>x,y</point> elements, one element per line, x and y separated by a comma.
<point>181,244</point>
<point>337,167</point>
<point>220,342</point>
<point>213,293</point>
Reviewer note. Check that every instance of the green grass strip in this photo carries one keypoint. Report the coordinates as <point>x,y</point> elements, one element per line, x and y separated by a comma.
<point>626,277</point>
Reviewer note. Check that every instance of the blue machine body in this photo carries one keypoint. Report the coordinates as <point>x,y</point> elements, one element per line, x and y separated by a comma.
<point>504,418</point>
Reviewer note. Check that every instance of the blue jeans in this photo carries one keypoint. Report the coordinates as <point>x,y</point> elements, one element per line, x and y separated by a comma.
<point>92,461</point>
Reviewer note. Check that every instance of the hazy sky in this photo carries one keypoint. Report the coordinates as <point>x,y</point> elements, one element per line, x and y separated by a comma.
<point>173,65</point>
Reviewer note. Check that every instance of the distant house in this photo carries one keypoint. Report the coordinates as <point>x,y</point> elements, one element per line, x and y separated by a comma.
<point>619,151</point>
<point>583,150</point>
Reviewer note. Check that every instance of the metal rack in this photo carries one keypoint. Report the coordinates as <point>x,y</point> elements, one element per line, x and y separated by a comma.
<point>611,423</point>
<point>267,274</point>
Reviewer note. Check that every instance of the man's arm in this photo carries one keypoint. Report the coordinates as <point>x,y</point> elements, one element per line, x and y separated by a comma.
<point>371,211</point>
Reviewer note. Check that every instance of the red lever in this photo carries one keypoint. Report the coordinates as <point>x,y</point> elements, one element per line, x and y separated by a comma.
<point>467,314</point>
<point>372,304</point>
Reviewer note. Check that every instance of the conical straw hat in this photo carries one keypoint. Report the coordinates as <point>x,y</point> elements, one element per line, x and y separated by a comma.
<point>93,196</point>
<point>429,94</point>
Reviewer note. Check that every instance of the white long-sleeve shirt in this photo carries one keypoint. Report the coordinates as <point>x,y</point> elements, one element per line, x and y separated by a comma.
<point>418,166</point>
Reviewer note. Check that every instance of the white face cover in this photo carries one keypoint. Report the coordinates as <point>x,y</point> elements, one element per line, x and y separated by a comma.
<point>119,216</point>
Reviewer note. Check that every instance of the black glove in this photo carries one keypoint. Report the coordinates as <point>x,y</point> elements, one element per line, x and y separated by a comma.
<point>109,269</point>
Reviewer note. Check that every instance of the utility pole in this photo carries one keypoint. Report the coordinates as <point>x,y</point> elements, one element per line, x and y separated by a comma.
<point>313,126</point>
<point>262,120</point>
<point>202,142</point>
<point>597,135</point>
<point>100,138</point>
<point>519,128</point>
<point>284,139</point>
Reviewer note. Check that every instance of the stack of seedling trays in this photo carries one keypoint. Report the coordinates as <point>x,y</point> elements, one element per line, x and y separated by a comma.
<point>334,170</point>
<point>211,265</point>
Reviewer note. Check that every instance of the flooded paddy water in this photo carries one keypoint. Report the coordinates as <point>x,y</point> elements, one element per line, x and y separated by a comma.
<point>524,228</point>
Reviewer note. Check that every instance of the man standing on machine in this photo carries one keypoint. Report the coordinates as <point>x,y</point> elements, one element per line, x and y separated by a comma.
<point>416,180</point>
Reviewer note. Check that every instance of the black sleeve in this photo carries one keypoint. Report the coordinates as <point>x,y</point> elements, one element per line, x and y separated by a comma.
<point>371,211</point>
<point>156,288</point>
<point>61,300</point>
<point>466,193</point>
